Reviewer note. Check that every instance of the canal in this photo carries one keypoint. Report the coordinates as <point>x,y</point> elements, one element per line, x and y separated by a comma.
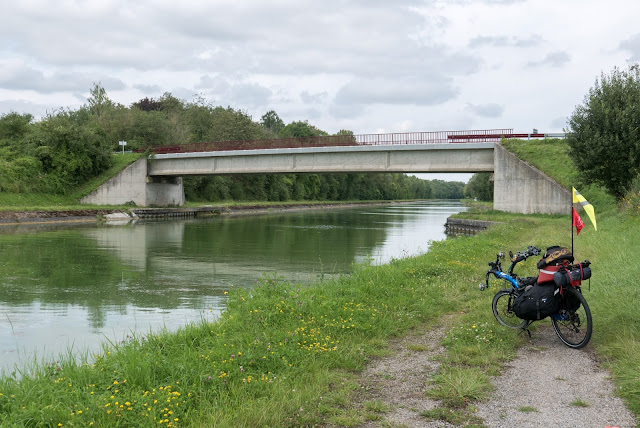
<point>72,287</point>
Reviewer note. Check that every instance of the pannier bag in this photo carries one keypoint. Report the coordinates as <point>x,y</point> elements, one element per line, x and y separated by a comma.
<point>572,275</point>
<point>537,302</point>
<point>555,256</point>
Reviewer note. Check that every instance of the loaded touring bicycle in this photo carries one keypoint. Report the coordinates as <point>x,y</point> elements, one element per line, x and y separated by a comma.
<point>556,293</point>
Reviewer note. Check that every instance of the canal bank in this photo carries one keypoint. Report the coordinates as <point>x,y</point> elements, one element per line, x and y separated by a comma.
<point>93,215</point>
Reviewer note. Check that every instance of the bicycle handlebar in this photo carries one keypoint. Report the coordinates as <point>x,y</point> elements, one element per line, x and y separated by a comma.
<point>496,266</point>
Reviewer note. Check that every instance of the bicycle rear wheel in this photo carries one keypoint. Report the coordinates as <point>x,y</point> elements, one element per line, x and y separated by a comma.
<point>502,307</point>
<point>573,324</point>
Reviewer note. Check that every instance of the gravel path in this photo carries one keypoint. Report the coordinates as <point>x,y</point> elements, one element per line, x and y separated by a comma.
<point>562,387</point>
<point>548,385</point>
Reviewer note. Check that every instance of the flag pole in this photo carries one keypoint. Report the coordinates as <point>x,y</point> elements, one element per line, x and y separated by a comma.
<point>571,211</point>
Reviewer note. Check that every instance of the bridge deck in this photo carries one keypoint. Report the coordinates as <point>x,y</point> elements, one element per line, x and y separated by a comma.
<point>470,157</point>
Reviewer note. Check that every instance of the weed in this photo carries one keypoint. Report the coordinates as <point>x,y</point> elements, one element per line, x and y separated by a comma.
<point>580,403</point>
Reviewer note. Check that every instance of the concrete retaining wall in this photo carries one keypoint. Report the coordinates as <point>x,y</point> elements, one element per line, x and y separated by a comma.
<point>520,188</point>
<point>463,226</point>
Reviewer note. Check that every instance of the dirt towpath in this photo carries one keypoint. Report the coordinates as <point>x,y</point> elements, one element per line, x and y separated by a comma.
<point>548,385</point>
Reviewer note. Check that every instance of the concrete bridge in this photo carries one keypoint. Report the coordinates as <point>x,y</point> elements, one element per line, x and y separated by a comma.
<point>518,187</point>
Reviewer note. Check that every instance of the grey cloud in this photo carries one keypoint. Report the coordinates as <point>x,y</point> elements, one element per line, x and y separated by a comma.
<point>148,89</point>
<point>490,2</point>
<point>558,124</point>
<point>553,59</point>
<point>491,110</point>
<point>377,91</point>
<point>239,94</point>
<point>249,94</point>
<point>632,45</point>
<point>22,106</point>
<point>28,78</point>
<point>351,111</point>
<point>504,41</point>
<point>309,98</point>
<point>327,37</point>
<point>480,41</point>
<point>313,114</point>
<point>213,83</point>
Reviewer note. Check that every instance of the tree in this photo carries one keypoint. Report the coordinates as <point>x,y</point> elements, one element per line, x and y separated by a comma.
<point>300,129</point>
<point>98,101</point>
<point>272,121</point>
<point>480,187</point>
<point>604,132</point>
<point>148,104</point>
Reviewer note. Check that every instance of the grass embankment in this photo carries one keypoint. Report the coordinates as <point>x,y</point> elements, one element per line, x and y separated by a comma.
<point>284,355</point>
<point>69,202</point>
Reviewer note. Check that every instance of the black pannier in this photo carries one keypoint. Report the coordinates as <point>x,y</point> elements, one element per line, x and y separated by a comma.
<point>572,275</point>
<point>555,256</point>
<point>537,302</point>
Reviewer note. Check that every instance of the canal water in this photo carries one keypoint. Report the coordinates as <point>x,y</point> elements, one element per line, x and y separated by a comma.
<point>72,287</point>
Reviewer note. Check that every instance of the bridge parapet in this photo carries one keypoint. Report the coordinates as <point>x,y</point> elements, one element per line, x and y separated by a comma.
<point>390,139</point>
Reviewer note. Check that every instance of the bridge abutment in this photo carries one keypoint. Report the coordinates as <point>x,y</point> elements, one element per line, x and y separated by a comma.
<point>133,185</point>
<point>521,188</point>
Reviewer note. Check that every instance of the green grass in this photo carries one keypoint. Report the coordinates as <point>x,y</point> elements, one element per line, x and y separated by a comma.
<point>528,409</point>
<point>548,155</point>
<point>453,416</point>
<point>417,347</point>
<point>580,403</point>
<point>284,355</point>
<point>377,406</point>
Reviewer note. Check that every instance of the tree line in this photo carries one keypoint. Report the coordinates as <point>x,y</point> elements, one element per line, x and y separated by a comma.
<point>66,148</point>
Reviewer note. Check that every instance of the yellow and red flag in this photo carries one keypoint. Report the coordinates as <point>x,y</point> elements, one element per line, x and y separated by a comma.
<point>588,208</point>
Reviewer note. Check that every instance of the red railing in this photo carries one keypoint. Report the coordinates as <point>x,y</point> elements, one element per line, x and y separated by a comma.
<point>406,138</point>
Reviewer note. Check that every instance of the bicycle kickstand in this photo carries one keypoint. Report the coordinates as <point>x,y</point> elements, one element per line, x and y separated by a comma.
<point>526,328</point>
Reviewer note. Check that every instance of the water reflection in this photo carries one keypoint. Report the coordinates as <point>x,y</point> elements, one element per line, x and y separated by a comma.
<point>70,287</point>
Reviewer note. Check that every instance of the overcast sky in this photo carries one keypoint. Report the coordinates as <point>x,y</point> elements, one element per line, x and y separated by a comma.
<point>366,65</point>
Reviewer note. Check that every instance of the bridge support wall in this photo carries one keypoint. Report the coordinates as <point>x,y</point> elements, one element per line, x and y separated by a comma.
<point>133,184</point>
<point>520,188</point>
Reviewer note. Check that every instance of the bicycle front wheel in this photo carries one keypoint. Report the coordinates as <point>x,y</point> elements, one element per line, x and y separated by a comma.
<point>573,324</point>
<point>502,307</point>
